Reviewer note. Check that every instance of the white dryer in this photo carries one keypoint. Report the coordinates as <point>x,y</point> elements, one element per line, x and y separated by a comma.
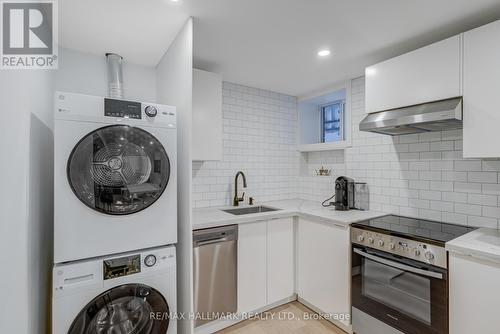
<point>133,293</point>
<point>115,181</point>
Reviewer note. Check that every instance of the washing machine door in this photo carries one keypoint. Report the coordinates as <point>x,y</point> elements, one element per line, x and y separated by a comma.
<point>126,309</point>
<point>118,169</point>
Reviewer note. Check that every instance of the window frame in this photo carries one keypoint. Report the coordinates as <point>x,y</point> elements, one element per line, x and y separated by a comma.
<point>341,120</point>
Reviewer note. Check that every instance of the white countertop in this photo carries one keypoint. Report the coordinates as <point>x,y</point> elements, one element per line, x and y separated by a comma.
<point>212,217</point>
<point>483,243</point>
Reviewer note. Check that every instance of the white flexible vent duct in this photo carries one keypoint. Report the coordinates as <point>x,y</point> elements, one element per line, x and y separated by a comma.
<point>115,75</point>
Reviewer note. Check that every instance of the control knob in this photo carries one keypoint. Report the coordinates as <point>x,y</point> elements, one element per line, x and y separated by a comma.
<point>429,255</point>
<point>150,260</point>
<point>416,252</point>
<point>381,243</point>
<point>361,238</point>
<point>151,111</point>
<point>370,240</point>
<point>392,246</point>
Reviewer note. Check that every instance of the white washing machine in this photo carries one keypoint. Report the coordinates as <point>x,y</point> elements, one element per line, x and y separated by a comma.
<point>132,293</point>
<point>115,182</point>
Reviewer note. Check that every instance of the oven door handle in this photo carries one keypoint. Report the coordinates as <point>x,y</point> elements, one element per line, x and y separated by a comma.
<point>399,265</point>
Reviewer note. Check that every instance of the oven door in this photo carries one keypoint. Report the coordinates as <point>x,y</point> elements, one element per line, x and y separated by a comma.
<point>408,295</point>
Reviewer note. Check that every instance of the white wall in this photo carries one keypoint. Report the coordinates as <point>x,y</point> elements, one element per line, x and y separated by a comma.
<point>259,133</point>
<point>26,199</point>
<point>421,175</point>
<point>174,76</point>
<point>86,73</point>
<point>310,123</point>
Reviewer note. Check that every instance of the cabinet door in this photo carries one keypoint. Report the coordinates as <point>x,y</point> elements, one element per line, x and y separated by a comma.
<point>482,92</point>
<point>324,266</point>
<point>252,271</point>
<point>427,74</point>
<point>280,259</point>
<point>207,116</point>
<point>474,295</point>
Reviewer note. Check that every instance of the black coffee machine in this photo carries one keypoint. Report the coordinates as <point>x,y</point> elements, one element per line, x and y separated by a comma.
<point>344,193</point>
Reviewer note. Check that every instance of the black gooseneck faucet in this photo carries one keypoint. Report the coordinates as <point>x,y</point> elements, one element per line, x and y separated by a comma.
<point>237,200</point>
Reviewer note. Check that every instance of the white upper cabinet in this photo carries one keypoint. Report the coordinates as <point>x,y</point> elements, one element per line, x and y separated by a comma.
<point>482,92</point>
<point>207,116</point>
<point>428,74</point>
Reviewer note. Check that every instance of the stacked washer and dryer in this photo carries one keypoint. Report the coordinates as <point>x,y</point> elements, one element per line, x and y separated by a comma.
<point>115,216</point>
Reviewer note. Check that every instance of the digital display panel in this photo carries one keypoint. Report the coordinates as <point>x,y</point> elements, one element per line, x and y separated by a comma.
<point>121,108</point>
<point>122,266</point>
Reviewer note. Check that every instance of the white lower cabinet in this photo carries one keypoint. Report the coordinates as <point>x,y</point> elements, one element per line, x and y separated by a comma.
<point>474,295</point>
<point>265,263</point>
<point>323,267</point>
<point>252,266</point>
<point>280,259</point>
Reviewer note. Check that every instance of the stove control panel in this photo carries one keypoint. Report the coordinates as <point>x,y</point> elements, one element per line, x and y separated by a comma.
<point>411,249</point>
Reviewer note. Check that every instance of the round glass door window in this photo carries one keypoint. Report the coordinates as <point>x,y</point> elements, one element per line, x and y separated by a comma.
<point>126,309</point>
<point>118,170</point>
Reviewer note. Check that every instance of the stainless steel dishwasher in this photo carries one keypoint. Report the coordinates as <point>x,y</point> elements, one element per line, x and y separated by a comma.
<point>215,272</point>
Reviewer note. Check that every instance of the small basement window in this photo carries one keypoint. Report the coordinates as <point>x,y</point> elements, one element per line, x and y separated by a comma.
<point>325,121</point>
<point>332,121</point>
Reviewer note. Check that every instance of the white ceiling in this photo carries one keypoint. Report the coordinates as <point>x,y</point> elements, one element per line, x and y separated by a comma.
<point>271,44</point>
<point>139,30</point>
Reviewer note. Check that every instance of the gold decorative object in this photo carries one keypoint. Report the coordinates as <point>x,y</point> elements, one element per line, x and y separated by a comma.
<point>323,171</point>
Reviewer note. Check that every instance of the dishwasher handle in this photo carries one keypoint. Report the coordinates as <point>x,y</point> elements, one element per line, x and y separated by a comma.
<point>211,241</point>
<point>215,235</point>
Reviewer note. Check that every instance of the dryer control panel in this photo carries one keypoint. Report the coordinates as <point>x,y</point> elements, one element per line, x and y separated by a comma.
<point>122,108</point>
<point>122,266</point>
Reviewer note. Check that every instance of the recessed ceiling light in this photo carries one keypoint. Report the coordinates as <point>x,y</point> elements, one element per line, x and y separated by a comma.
<point>323,53</point>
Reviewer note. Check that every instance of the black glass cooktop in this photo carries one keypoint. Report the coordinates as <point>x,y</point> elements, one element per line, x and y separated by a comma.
<point>415,228</point>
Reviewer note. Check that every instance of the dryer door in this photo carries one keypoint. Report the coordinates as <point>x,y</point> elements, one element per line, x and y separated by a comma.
<point>126,309</point>
<point>118,169</point>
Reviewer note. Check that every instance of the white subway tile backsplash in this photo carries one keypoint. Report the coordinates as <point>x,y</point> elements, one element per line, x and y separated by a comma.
<point>491,165</point>
<point>430,195</point>
<point>442,206</point>
<point>482,199</point>
<point>259,131</point>
<point>428,169</point>
<point>491,189</point>
<point>421,175</point>
<point>467,187</point>
<point>476,221</point>
<point>492,212</point>
<point>455,197</point>
<point>419,147</point>
<point>482,177</point>
<point>454,218</point>
<point>468,165</point>
<point>468,209</point>
<point>443,146</point>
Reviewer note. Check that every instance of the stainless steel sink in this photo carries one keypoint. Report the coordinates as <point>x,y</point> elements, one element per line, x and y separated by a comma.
<point>250,210</point>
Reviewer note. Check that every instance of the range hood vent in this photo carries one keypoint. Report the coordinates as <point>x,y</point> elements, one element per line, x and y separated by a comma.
<point>432,116</point>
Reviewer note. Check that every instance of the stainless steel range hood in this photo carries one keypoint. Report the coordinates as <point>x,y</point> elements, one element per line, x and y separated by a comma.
<point>432,116</point>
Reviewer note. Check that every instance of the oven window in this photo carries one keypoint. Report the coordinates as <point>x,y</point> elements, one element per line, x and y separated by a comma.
<point>401,290</point>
